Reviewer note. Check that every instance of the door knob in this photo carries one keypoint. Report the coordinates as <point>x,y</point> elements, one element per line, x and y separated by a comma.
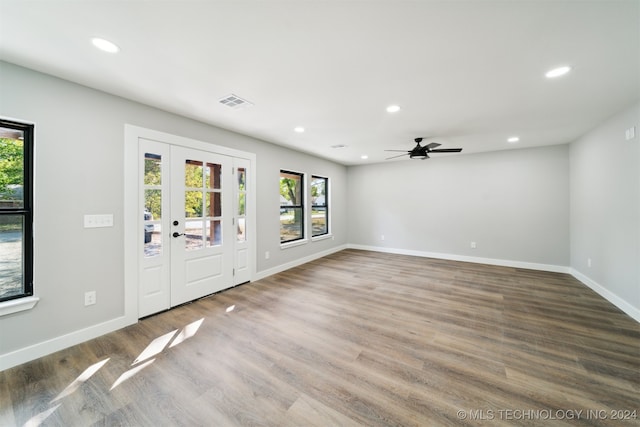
<point>176,234</point>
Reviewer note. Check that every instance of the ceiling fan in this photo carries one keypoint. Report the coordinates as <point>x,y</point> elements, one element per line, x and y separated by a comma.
<point>422,151</point>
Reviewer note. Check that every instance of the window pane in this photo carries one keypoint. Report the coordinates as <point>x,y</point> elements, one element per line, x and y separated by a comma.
<point>11,169</point>
<point>11,255</point>
<point>193,174</point>
<point>214,204</point>
<point>242,232</point>
<point>193,235</point>
<point>318,191</point>
<point>290,224</point>
<point>213,175</point>
<point>193,204</point>
<point>319,221</point>
<point>152,169</point>
<point>290,189</point>
<point>214,233</point>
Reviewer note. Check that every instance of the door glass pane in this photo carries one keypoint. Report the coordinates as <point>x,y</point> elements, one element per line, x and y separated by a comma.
<point>214,204</point>
<point>11,249</point>
<point>193,235</point>
<point>193,174</point>
<point>193,204</point>
<point>152,169</point>
<point>152,239</point>
<point>241,203</point>
<point>214,232</point>
<point>153,204</point>
<point>213,176</point>
<point>242,179</point>
<point>242,232</point>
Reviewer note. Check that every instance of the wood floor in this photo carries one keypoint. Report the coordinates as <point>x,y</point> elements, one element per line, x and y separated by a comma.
<point>355,338</point>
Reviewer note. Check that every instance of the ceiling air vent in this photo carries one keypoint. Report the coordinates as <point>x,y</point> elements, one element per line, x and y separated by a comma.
<point>234,102</point>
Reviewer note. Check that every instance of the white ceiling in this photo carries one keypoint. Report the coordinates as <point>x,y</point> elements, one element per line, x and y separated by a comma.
<point>469,73</point>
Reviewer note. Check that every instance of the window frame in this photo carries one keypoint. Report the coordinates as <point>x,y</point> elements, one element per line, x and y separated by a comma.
<point>300,205</point>
<point>327,231</point>
<point>26,211</point>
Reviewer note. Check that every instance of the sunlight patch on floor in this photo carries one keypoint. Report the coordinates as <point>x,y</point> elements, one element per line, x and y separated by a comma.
<point>36,420</point>
<point>130,373</point>
<point>75,384</point>
<point>187,332</point>
<point>155,347</point>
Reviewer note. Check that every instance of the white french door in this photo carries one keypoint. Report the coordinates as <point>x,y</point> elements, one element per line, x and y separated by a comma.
<point>193,212</point>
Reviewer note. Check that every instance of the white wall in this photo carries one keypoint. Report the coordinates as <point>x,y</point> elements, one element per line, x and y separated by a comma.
<point>514,204</point>
<point>605,208</point>
<point>79,170</point>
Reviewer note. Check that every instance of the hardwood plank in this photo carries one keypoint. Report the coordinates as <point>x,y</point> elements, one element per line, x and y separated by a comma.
<point>355,338</point>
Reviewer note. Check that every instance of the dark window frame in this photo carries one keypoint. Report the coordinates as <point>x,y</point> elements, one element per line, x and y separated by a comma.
<point>325,205</point>
<point>26,211</point>
<point>299,205</point>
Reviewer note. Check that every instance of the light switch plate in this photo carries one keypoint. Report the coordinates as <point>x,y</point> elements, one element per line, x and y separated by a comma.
<point>97,221</point>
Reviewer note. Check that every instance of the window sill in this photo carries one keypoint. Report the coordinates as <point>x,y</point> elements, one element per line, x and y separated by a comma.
<point>17,305</point>
<point>322,237</point>
<point>293,244</point>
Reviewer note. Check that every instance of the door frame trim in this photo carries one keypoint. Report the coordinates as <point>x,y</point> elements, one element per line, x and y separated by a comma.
<point>131,225</point>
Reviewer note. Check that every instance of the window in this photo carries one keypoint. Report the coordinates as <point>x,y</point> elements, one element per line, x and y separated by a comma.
<point>319,206</point>
<point>16,210</point>
<point>291,206</point>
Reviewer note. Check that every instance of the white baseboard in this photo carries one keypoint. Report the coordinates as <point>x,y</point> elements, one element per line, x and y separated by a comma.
<point>280,268</point>
<point>464,258</point>
<point>614,299</point>
<point>26,354</point>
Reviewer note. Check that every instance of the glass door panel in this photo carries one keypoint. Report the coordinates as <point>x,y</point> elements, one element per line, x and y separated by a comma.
<point>152,205</point>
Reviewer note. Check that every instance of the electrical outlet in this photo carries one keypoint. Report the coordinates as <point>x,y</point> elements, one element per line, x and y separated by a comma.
<point>473,245</point>
<point>589,262</point>
<point>267,255</point>
<point>630,133</point>
<point>89,298</point>
<point>382,237</point>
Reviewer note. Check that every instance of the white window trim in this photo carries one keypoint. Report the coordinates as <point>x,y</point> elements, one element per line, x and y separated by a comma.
<point>328,235</point>
<point>294,243</point>
<point>322,237</point>
<point>17,305</point>
<point>305,208</point>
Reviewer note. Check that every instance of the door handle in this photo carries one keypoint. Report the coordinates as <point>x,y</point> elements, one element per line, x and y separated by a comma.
<point>176,234</point>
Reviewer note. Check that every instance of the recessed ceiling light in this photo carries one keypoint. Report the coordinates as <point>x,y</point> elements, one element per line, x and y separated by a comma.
<point>393,108</point>
<point>105,45</point>
<point>557,72</point>
<point>513,139</point>
<point>298,129</point>
<point>364,157</point>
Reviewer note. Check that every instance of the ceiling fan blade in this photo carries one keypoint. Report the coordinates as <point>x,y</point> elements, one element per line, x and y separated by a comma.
<point>446,150</point>
<point>400,151</point>
<point>432,145</point>
<point>394,157</point>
